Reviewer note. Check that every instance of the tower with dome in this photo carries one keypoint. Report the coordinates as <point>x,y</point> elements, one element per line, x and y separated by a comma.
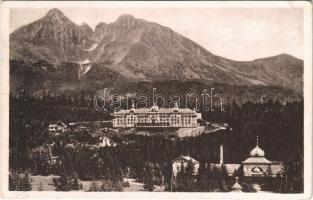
<point>258,165</point>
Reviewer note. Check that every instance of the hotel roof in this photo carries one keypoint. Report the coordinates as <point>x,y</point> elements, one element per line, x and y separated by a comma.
<point>156,109</point>
<point>162,110</point>
<point>186,158</point>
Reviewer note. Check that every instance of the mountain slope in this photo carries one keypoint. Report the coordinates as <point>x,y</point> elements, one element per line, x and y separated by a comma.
<point>283,70</point>
<point>53,38</point>
<point>139,50</point>
<point>148,51</point>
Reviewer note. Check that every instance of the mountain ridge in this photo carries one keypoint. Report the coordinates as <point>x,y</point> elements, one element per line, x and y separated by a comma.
<point>144,51</point>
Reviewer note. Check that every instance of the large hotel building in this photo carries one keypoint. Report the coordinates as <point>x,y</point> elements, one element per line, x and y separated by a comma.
<point>156,117</point>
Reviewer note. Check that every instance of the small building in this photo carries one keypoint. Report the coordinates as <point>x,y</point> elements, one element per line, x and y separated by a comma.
<point>106,142</point>
<point>184,161</point>
<point>57,127</point>
<point>255,165</point>
<point>258,165</point>
<point>155,117</point>
<point>54,160</point>
<point>236,187</point>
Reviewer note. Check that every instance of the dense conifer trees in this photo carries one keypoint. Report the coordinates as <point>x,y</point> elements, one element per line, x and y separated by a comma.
<point>279,127</point>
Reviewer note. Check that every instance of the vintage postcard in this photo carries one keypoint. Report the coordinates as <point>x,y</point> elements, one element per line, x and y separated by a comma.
<point>156,100</point>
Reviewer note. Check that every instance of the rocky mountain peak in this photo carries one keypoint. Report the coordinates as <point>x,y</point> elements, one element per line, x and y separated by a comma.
<point>100,25</point>
<point>56,14</point>
<point>100,31</point>
<point>87,30</point>
<point>142,50</point>
<point>84,24</point>
<point>126,20</point>
<point>125,17</point>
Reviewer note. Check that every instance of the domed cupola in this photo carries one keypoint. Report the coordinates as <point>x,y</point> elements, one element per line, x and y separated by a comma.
<point>176,107</point>
<point>132,109</point>
<point>154,108</point>
<point>257,151</point>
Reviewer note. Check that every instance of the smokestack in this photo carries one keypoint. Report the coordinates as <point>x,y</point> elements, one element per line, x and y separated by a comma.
<point>221,155</point>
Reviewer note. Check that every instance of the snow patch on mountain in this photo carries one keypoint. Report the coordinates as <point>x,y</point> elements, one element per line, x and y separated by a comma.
<point>93,47</point>
<point>85,67</point>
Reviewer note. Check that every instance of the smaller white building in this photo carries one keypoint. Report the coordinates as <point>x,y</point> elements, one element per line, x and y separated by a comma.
<point>258,165</point>
<point>236,187</point>
<point>57,127</point>
<point>183,161</point>
<point>254,166</point>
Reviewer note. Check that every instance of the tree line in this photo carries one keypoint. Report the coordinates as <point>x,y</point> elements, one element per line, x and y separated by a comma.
<point>147,158</point>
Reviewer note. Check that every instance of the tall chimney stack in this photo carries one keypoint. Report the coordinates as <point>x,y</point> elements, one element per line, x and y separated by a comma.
<point>221,155</point>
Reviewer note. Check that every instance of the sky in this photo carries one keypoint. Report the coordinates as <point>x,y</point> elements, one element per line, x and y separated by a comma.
<point>236,33</point>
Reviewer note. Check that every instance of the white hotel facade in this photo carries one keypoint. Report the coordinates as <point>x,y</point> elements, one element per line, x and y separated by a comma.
<point>156,117</point>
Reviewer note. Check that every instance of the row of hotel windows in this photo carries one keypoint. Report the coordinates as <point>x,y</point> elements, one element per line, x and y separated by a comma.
<point>173,119</point>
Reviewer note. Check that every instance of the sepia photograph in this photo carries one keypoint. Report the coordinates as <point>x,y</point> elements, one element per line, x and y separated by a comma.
<point>143,98</point>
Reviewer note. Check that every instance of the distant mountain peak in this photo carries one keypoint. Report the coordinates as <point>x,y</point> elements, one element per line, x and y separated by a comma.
<point>56,14</point>
<point>283,56</point>
<point>142,50</point>
<point>101,24</point>
<point>85,26</point>
<point>99,31</point>
<point>126,18</point>
<point>287,56</point>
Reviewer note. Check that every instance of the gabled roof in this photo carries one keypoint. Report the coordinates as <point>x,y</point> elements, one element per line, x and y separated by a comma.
<point>236,187</point>
<point>53,125</point>
<point>160,110</point>
<point>60,123</point>
<point>187,159</point>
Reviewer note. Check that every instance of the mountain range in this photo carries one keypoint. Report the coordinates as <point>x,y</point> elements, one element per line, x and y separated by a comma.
<point>53,51</point>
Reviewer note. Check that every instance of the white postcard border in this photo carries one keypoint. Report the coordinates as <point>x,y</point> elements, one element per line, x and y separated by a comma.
<point>4,100</point>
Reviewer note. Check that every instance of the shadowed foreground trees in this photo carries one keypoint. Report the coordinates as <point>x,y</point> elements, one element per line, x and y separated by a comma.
<point>19,181</point>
